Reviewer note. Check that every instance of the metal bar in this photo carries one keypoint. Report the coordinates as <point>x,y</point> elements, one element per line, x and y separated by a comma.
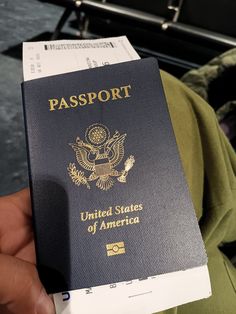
<point>192,32</point>
<point>153,21</point>
<point>121,12</point>
<point>176,6</point>
<point>61,23</point>
<point>168,59</point>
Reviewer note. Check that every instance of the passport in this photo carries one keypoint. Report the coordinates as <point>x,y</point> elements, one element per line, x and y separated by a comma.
<point>110,200</point>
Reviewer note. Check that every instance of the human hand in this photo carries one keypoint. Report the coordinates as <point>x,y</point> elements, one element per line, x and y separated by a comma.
<point>21,291</point>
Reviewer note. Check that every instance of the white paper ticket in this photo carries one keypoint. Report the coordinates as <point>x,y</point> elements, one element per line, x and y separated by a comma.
<point>143,296</point>
<point>47,58</point>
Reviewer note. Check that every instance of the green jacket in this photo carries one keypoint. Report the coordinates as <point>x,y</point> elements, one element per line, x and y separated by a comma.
<point>209,164</point>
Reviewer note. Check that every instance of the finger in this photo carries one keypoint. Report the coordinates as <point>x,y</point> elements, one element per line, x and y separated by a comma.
<point>27,253</point>
<point>22,200</point>
<point>20,288</point>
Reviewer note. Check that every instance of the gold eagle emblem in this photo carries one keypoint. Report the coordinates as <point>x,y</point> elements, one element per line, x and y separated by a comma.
<point>100,153</point>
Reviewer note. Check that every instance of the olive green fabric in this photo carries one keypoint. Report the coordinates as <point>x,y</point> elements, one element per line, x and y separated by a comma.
<point>209,164</point>
<point>214,83</point>
<point>200,79</point>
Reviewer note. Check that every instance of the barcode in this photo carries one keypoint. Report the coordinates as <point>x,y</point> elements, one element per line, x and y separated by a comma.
<point>79,46</point>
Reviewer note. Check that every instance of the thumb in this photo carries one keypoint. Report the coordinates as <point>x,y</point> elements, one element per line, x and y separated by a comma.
<point>20,288</point>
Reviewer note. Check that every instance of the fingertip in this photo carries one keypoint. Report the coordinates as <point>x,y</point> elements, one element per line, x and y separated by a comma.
<point>45,304</point>
<point>23,199</point>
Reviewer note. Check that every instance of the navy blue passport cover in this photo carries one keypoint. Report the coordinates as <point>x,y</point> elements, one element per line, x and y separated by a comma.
<point>110,201</point>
